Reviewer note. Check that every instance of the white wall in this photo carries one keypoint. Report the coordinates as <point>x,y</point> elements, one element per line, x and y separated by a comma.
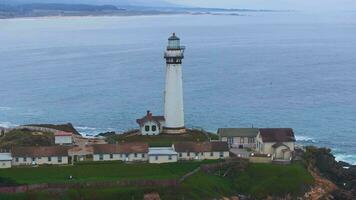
<point>173,102</point>
<point>39,160</point>
<point>162,159</point>
<point>150,132</point>
<point>131,157</point>
<point>236,141</point>
<point>204,156</point>
<point>63,139</point>
<point>5,164</point>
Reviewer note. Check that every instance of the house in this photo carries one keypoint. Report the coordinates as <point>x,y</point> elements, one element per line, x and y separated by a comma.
<point>5,160</point>
<point>151,125</point>
<point>276,142</point>
<point>162,155</point>
<point>201,150</point>
<point>62,137</point>
<point>238,137</point>
<point>128,152</point>
<point>51,155</point>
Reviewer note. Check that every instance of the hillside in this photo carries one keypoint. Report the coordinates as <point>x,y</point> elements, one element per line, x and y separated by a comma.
<point>192,135</point>
<point>26,137</point>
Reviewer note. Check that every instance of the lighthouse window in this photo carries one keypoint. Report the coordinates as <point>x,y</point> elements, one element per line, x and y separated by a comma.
<point>147,128</point>
<point>154,128</point>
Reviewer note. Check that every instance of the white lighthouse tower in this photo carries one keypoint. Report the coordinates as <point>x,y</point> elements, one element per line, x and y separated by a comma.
<point>173,94</point>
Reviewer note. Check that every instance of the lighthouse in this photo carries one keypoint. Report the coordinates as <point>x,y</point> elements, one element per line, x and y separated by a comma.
<point>173,94</point>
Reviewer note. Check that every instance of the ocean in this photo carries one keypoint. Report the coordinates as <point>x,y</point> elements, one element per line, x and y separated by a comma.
<point>272,69</point>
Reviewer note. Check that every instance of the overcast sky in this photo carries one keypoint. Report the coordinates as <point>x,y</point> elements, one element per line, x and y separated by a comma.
<point>274,4</point>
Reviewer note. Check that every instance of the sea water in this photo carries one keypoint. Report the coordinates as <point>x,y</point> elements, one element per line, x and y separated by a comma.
<point>283,69</point>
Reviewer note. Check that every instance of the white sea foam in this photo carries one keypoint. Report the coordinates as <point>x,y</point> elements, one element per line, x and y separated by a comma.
<point>351,159</point>
<point>85,128</point>
<point>4,108</point>
<point>7,124</point>
<point>301,138</point>
<point>91,131</point>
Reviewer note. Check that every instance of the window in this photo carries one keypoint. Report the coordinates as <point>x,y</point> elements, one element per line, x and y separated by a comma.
<point>143,155</point>
<point>154,128</point>
<point>147,128</point>
<point>127,155</point>
<point>196,154</point>
<point>33,159</point>
<point>111,156</point>
<point>202,154</point>
<point>180,155</point>
<point>17,159</point>
<point>49,159</point>
<point>251,140</point>
<point>211,154</point>
<point>120,155</point>
<point>24,159</point>
<point>60,159</point>
<point>135,155</point>
<point>169,157</point>
<point>221,154</point>
<point>188,154</point>
<point>156,157</point>
<point>242,140</point>
<point>101,157</point>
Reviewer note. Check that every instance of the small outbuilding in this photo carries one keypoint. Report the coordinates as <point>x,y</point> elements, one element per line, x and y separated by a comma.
<point>238,137</point>
<point>5,160</point>
<point>277,142</point>
<point>63,138</point>
<point>151,125</point>
<point>162,155</point>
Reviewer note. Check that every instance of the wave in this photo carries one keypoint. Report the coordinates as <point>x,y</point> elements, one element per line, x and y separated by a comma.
<point>5,108</point>
<point>351,159</point>
<point>91,131</point>
<point>301,138</point>
<point>7,124</point>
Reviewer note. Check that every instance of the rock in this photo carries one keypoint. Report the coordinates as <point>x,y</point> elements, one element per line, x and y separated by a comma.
<point>342,195</point>
<point>344,164</point>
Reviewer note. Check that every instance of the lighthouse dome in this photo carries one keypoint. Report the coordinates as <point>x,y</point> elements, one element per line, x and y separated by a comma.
<point>173,42</point>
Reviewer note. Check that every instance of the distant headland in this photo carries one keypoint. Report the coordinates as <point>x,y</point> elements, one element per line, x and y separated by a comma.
<point>63,9</point>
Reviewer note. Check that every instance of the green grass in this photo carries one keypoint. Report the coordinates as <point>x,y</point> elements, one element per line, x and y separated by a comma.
<point>164,140</point>
<point>97,172</point>
<point>260,180</point>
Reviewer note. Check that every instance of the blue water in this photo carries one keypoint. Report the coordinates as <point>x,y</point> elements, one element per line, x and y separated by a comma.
<point>263,69</point>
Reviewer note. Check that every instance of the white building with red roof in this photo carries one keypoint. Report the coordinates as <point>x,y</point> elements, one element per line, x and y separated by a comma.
<point>63,138</point>
<point>151,125</point>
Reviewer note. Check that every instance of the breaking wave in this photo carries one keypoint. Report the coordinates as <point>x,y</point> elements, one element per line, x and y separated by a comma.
<point>351,159</point>
<point>307,139</point>
<point>91,131</point>
<point>4,108</point>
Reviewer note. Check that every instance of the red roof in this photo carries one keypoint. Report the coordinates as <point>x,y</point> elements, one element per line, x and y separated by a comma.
<point>63,133</point>
<point>150,117</point>
<point>277,135</point>
<point>39,151</point>
<point>128,147</point>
